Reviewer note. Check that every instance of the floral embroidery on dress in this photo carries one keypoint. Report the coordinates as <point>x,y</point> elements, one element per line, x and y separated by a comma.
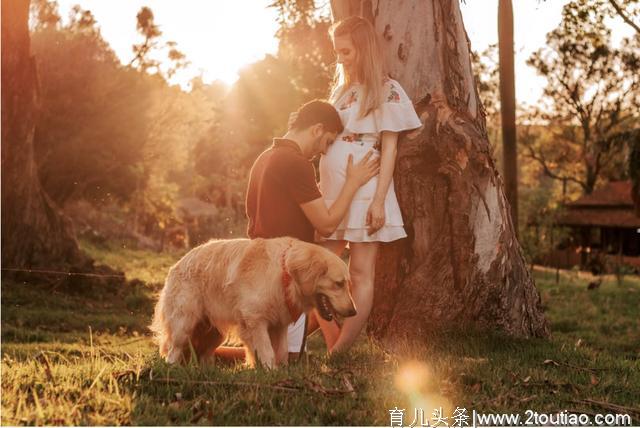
<point>394,96</point>
<point>353,97</point>
<point>352,138</point>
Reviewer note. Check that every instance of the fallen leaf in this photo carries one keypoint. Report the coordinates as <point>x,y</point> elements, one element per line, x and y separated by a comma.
<point>526,399</point>
<point>470,360</point>
<point>347,383</point>
<point>547,362</point>
<point>120,374</point>
<point>197,416</point>
<point>594,379</point>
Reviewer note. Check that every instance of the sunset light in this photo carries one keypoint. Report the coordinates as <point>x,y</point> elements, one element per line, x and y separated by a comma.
<point>420,385</point>
<point>402,213</point>
<point>218,37</point>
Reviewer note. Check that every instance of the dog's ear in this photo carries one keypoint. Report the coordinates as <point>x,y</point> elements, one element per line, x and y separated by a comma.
<point>306,265</point>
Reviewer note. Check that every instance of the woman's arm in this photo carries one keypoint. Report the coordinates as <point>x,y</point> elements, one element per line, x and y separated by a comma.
<point>375,214</point>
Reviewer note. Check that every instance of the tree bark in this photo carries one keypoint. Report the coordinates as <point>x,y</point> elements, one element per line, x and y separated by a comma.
<point>35,235</point>
<point>461,266</point>
<point>508,106</point>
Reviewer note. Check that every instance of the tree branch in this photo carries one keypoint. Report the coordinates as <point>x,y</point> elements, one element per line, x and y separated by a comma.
<point>624,16</point>
<point>572,99</point>
<point>541,160</point>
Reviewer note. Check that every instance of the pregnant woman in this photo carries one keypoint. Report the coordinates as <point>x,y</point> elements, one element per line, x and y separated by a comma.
<point>373,109</point>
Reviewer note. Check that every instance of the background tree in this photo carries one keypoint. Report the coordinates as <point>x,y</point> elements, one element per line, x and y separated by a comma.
<point>254,110</point>
<point>634,170</point>
<point>592,93</point>
<point>486,73</point>
<point>150,31</point>
<point>148,53</point>
<point>34,233</point>
<point>110,134</point>
<point>485,69</point>
<point>462,266</point>
<point>304,45</point>
<point>44,14</point>
<point>83,92</point>
<point>508,105</point>
<point>628,10</point>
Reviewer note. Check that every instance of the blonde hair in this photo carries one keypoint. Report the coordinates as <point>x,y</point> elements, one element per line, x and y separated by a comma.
<point>370,69</point>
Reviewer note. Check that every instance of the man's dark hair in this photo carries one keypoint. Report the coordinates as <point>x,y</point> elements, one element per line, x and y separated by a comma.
<point>318,111</point>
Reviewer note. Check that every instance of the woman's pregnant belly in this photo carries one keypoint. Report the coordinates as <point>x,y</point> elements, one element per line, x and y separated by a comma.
<point>333,169</point>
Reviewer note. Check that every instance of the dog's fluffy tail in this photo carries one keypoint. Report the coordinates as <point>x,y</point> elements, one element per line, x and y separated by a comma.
<point>160,327</point>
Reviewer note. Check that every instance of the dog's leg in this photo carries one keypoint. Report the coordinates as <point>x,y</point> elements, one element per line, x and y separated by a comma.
<point>255,336</point>
<point>205,339</point>
<point>264,350</point>
<point>182,326</point>
<point>280,345</point>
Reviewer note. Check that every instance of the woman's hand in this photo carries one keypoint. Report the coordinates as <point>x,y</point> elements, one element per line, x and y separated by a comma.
<point>292,118</point>
<point>375,217</point>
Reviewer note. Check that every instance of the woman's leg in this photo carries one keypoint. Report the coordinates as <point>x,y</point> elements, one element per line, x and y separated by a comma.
<point>362,265</point>
<point>330,329</point>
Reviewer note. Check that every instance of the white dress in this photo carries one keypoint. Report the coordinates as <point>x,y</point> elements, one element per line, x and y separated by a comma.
<point>360,135</point>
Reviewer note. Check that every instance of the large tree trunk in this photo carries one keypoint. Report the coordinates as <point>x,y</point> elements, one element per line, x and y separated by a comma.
<point>508,106</point>
<point>35,235</point>
<point>462,266</point>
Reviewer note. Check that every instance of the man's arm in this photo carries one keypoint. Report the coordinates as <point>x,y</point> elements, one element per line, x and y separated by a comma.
<point>326,220</point>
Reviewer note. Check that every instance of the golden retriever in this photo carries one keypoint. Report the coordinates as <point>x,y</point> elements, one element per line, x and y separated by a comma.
<point>238,287</point>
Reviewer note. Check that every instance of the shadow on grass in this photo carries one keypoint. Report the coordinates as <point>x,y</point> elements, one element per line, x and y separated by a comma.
<point>349,390</point>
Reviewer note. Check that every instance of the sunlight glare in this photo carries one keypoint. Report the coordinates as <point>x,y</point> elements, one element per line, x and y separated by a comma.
<point>416,380</point>
<point>218,37</point>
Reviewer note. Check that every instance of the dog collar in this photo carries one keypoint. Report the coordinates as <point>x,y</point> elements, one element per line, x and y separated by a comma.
<point>286,280</point>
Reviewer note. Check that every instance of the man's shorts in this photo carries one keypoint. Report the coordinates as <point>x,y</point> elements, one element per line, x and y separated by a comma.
<point>295,334</point>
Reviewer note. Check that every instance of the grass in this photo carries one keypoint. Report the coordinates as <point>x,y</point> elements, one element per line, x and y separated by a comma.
<point>68,360</point>
<point>148,266</point>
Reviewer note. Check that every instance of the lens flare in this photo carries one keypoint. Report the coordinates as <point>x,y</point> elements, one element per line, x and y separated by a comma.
<point>421,386</point>
<point>412,377</point>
